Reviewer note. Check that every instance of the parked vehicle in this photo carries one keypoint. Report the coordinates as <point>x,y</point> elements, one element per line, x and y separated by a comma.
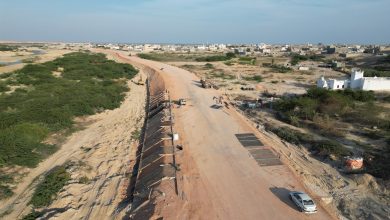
<point>182,102</point>
<point>304,202</point>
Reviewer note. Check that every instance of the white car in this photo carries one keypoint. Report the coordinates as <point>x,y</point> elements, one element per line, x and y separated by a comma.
<point>304,202</point>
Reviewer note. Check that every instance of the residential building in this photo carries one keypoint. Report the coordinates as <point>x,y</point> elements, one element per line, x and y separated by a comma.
<point>357,81</point>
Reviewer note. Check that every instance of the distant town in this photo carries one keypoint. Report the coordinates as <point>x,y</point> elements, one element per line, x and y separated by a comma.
<point>346,51</point>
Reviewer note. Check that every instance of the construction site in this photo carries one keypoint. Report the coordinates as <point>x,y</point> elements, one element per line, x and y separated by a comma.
<point>181,146</point>
<point>242,142</point>
<point>195,110</point>
<point>196,148</point>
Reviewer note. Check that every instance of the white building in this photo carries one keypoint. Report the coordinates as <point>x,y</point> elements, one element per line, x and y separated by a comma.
<point>357,81</point>
<point>303,68</point>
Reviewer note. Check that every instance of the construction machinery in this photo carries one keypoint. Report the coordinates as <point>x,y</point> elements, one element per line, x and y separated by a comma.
<point>182,102</point>
<point>205,83</point>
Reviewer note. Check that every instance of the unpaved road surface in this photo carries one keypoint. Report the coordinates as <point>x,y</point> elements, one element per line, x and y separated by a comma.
<point>219,179</point>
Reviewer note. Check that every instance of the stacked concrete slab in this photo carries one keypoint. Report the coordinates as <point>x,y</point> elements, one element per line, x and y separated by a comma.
<point>263,155</point>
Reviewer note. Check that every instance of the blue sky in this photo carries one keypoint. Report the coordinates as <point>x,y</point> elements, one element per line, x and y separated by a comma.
<point>196,21</point>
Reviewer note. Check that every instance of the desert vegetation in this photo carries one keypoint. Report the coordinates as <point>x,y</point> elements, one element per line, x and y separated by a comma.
<point>328,113</point>
<point>247,60</point>
<point>214,58</point>
<point>380,67</point>
<point>320,147</point>
<point>43,104</point>
<point>184,57</point>
<point>47,190</point>
<point>297,58</point>
<point>277,68</point>
<point>255,78</point>
<point>167,57</point>
<point>4,47</point>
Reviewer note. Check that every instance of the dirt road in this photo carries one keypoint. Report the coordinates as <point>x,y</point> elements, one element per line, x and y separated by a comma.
<point>220,179</point>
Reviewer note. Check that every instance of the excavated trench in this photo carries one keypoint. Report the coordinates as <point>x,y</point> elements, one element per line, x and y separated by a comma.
<point>155,162</point>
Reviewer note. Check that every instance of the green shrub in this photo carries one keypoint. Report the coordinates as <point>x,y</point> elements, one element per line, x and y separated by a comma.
<point>256,78</point>
<point>375,135</point>
<point>296,58</point>
<point>147,56</point>
<point>215,58</point>
<point>47,190</point>
<point>280,68</point>
<point>84,180</point>
<point>285,133</point>
<point>3,87</point>
<point>166,57</point>
<point>359,95</point>
<point>377,161</point>
<point>327,147</point>
<point>33,215</point>
<point>376,72</point>
<point>136,134</point>
<point>21,144</point>
<point>212,58</point>
<point>88,84</point>
<point>228,63</point>
<point>323,147</point>
<point>222,75</point>
<point>4,47</point>
<point>247,60</point>
<point>355,107</point>
<point>303,107</point>
<point>324,101</point>
<point>5,178</point>
<point>5,192</point>
<point>230,55</point>
<point>209,66</point>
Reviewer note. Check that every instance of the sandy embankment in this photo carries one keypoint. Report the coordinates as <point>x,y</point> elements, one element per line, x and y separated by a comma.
<point>101,154</point>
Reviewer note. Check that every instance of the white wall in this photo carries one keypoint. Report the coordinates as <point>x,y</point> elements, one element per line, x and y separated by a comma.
<point>337,84</point>
<point>321,83</point>
<point>303,68</point>
<point>357,79</point>
<point>379,83</point>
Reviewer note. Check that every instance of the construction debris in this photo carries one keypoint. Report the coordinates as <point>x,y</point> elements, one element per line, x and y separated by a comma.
<point>353,163</point>
<point>205,83</point>
<point>182,102</point>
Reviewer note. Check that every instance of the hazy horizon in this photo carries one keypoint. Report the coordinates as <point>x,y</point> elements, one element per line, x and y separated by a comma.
<point>197,21</point>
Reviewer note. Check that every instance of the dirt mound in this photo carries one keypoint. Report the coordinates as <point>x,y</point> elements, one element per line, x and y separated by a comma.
<point>365,180</point>
<point>368,208</point>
